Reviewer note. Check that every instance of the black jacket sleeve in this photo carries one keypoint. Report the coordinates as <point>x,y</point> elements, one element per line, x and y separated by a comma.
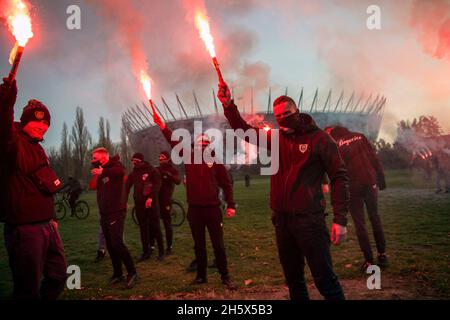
<point>8,96</point>
<point>337,173</point>
<point>175,175</point>
<point>129,184</point>
<point>376,164</point>
<point>155,179</point>
<point>236,122</point>
<point>224,181</point>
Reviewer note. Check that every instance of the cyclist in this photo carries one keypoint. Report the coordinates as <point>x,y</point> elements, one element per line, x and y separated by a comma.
<point>74,189</point>
<point>170,177</point>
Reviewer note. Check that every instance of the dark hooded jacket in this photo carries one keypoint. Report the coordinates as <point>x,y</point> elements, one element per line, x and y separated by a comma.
<point>146,181</point>
<point>204,180</point>
<point>170,176</point>
<point>305,156</point>
<point>363,166</point>
<point>23,202</point>
<point>111,187</point>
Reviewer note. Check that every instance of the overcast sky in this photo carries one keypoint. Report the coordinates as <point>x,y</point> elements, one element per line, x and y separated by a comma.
<point>260,43</point>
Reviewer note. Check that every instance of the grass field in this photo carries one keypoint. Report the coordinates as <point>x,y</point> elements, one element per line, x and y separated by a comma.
<point>417,227</point>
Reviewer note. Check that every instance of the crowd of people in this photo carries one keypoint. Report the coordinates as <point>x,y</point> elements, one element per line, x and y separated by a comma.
<point>312,162</point>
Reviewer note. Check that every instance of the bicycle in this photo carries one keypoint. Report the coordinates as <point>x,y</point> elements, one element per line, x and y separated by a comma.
<point>177,212</point>
<point>81,209</point>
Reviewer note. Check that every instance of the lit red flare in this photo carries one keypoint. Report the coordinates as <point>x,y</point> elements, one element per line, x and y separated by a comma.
<point>147,86</point>
<point>19,23</point>
<point>202,24</point>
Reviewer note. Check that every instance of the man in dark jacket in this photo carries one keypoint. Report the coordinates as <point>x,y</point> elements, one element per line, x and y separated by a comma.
<point>35,249</point>
<point>366,177</point>
<point>147,183</point>
<point>112,205</point>
<point>203,182</point>
<point>306,153</point>
<point>170,177</point>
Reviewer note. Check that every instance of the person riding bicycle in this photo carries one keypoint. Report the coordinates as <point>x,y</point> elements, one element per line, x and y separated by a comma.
<point>73,189</point>
<point>170,176</point>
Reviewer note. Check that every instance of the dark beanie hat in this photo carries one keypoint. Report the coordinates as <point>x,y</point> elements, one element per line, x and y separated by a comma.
<point>138,156</point>
<point>34,111</point>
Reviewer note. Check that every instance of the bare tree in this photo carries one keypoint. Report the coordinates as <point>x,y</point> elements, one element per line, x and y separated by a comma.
<point>82,142</point>
<point>125,148</point>
<point>104,137</point>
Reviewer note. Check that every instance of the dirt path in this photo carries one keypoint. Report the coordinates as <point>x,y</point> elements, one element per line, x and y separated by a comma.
<point>393,288</point>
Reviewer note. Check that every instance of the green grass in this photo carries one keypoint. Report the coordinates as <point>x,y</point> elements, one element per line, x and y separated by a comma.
<point>416,222</point>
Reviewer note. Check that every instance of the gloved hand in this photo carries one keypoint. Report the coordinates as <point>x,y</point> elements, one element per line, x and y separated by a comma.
<point>224,94</point>
<point>8,92</point>
<point>159,122</point>
<point>231,213</point>
<point>148,203</point>
<point>338,234</point>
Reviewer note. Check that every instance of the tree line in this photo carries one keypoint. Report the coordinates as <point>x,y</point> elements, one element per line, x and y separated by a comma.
<point>72,157</point>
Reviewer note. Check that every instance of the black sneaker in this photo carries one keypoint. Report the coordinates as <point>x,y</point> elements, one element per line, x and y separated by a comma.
<point>131,280</point>
<point>228,283</point>
<point>100,256</point>
<point>115,280</point>
<point>383,261</point>
<point>161,258</point>
<point>144,257</point>
<point>198,281</point>
<point>192,267</point>
<point>169,251</point>
<point>365,265</point>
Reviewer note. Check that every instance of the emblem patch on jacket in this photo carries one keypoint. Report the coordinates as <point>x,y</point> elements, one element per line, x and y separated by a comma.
<point>105,180</point>
<point>57,182</point>
<point>303,148</point>
<point>39,115</point>
<point>144,176</point>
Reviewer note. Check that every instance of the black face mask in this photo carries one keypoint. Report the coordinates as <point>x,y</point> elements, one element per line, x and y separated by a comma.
<point>96,164</point>
<point>290,122</point>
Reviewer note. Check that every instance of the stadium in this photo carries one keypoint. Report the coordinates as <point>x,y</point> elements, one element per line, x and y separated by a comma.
<point>358,113</point>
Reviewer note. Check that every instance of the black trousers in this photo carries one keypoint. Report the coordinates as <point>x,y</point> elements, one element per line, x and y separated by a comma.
<point>167,221</point>
<point>300,237</point>
<point>368,196</point>
<point>150,227</point>
<point>200,219</point>
<point>35,251</point>
<point>113,226</point>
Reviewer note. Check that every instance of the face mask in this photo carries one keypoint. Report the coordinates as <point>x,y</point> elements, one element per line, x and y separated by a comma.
<point>96,164</point>
<point>291,122</point>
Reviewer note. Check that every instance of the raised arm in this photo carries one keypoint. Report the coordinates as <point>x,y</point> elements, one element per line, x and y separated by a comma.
<point>233,116</point>
<point>8,96</point>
